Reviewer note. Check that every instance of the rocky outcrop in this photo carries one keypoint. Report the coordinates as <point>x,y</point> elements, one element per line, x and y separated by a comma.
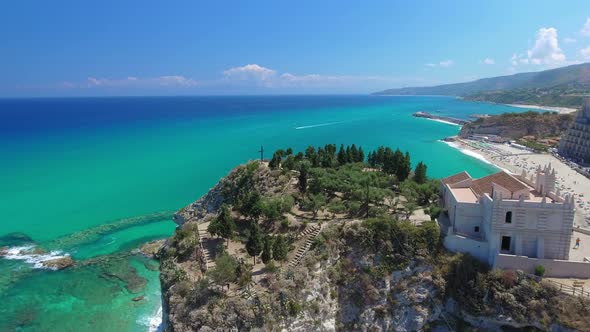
<point>518,125</point>
<point>58,263</point>
<point>202,208</point>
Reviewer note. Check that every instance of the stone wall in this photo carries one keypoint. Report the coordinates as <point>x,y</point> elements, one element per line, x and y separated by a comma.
<point>553,268</point>
<point>458,243</point>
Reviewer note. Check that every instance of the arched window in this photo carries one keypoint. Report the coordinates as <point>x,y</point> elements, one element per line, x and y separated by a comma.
<point>508,219</point>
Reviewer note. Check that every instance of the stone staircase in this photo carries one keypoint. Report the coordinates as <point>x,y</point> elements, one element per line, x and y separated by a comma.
<point>205,238</point>
<point>309,234</point>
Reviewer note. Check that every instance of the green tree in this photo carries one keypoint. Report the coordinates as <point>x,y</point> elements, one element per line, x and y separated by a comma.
<point>303,174</point>
<point>314,203</point>
<point>251,205</point>
<point>254,244</point>
<point>348,154</point>
<point>361,155</point>
<point>224,271</point>
<point>244,273</point>
<point>224,225</point>
<point>280,249</point>
<point>275,162</point>
<point>312,156</point>
<point>404,168</point>
<point>420,173</point>
<point>354,153</point>
<point>267,250</point>
<point>289,162</point>
<point>342,155</point>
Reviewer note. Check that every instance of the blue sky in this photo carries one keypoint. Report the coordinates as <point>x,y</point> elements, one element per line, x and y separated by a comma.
<point>82,48</point>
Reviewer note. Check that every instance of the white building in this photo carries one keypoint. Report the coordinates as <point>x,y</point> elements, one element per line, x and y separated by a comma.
<point>503,217</point>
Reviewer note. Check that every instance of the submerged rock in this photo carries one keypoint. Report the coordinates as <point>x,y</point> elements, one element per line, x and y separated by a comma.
<point>58,263</point>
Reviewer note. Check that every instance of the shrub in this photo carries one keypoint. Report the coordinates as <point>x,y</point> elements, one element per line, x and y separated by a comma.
<point>539,270</point>
<point>285,223</point>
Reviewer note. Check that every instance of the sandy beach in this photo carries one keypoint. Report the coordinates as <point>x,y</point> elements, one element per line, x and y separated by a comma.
<point>560,110</point>
<point>515,160</point>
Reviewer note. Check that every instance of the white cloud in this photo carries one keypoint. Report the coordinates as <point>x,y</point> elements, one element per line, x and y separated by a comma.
<point>585,53</point>
<point>517,59</point>
<point>251,77</point>
<point>256,75</point>
<point>446,63</point>
<point>488,61</point>
<point>546,50</point>
<point>131,81</point>
<point>569,40</point>
<point>586,28</point>
<point>249,72</point>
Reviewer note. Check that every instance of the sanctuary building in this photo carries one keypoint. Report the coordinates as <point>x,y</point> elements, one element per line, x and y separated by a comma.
<point>511,221</point>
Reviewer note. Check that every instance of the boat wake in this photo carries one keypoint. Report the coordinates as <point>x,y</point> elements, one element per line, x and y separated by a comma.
<point>32,255</point>
<point>319,125</point>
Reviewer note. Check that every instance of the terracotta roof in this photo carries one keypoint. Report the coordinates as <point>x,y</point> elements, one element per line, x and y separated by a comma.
<point>456,178</point>
<point>484,185</point>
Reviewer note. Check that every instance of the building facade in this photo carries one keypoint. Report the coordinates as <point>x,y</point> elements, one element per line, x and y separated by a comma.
<point>575,144</point>
<point>508,214</point>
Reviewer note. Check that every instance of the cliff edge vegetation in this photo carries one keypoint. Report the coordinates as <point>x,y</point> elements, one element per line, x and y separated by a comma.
<point>322,240</point>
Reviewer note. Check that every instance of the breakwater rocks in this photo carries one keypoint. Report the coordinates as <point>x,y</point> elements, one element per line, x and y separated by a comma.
<point>427,115</point>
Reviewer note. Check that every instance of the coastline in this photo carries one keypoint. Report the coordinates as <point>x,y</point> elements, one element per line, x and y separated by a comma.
<point>560,110</point>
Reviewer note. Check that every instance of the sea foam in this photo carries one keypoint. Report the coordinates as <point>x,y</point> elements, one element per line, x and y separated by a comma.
<point>27,254</point>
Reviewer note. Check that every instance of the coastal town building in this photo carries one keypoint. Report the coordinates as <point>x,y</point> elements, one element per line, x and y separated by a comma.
<point>512,221</point>
<point>575,144</point>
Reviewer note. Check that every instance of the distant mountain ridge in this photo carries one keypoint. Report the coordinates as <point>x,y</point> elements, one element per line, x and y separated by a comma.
<point>565,86</point>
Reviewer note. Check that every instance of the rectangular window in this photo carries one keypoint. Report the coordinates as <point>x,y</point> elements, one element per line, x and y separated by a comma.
<point>476,229</point>
<point>508,217</point>
<point>505,243</point>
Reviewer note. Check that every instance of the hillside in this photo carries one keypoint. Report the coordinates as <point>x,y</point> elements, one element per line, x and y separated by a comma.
<point>323,241</point>
<point>539,131</point>
<point>555,87</point>
<point>517,125</point>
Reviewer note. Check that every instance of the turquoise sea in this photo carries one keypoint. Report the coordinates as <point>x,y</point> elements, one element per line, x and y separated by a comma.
<point>96,177</point>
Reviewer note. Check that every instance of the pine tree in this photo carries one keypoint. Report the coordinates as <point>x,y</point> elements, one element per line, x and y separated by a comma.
<point>280,248</point>
<point>354,153</point>
<point>348,154</point>
<point>266,250</point>
<point>303,174</point>
<point>275,162</point>
<point>224,225</point>
<point>420,173</point>
<point>342,155</point>
<point>254,244</point>
<point>361,155</point>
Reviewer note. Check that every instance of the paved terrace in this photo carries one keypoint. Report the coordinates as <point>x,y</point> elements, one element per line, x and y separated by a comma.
<point>584,250</point>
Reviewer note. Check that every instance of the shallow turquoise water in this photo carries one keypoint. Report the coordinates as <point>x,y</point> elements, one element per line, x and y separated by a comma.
<point>128,163</point>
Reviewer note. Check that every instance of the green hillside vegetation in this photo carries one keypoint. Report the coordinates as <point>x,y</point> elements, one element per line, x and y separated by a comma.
<point>559,96</point>
<point>563,87</point>
<point>361,212</point>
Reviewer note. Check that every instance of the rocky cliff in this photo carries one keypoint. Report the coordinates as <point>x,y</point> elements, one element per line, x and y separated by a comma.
<point>518,125</point>
<point>376,274</point>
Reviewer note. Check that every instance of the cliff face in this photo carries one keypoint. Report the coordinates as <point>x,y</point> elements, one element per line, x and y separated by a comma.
<point>380,274</point>
<point>517,125</point>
